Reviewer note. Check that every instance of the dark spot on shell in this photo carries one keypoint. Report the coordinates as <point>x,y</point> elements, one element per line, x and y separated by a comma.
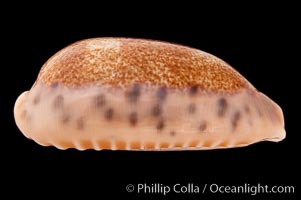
<point>134,93</point>
<point>160,125</point>
<point>222,106</point>
<point>203,126</point>
<point>191,108</point>
<point>54,85</point>
<point>172,133</point>
<point>36,99</point>
<point>193,90</point>
<point>161,93</point>
<point>235,119</point>
<point>109,114</point>
<point>247,109</point>
<point>58,102</point>
<point>157,110</point>
<point>100,100</point>
<point>133,118</point>
<point>65,118</point>
<point>80,125</point>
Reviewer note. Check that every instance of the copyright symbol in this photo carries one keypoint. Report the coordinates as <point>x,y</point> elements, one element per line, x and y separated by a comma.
<point>130,188</point>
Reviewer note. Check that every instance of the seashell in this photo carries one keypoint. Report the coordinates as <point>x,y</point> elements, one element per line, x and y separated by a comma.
<point>135,94</point>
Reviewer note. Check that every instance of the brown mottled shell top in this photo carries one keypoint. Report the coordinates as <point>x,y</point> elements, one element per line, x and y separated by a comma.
<point>122,62</point>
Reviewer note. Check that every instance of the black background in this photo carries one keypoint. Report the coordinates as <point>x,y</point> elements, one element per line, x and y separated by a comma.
<point>259,41</point>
